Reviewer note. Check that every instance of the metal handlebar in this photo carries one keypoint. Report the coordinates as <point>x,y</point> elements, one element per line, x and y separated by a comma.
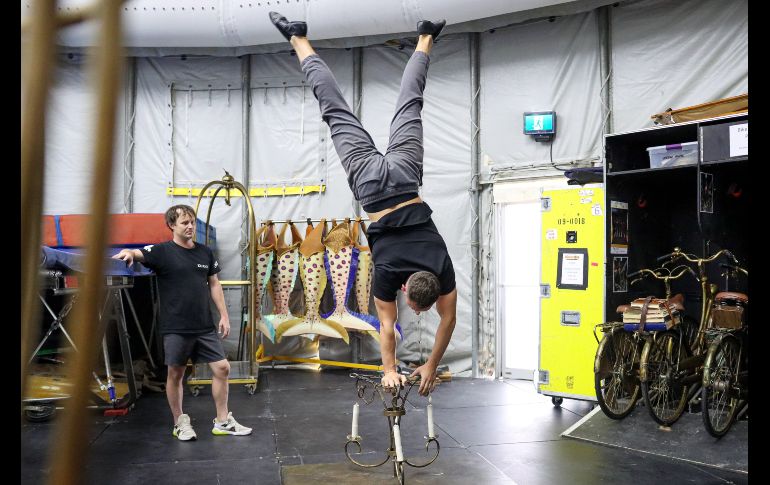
<point>691,258</point>
<point>734,268</point>
<point>655,273</point>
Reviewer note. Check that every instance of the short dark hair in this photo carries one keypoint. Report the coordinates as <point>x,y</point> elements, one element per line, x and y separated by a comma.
<point>423,289</point>
<point>173,213</point>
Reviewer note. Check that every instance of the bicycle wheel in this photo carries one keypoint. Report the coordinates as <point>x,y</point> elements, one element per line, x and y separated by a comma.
<point>664,392</point>
<point>615,374</point>
<point>719,393</point>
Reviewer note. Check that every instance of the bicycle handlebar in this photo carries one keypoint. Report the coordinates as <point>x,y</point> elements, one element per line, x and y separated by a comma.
<point>655,273</point>
<point>689,257</point>
<point>681,268</point>
<point>735,268</point>
<point>643,270</point>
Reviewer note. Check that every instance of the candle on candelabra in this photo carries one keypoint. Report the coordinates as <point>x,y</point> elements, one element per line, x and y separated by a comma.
<point>397,442</point>
<point>431,431</point>
<point>354,431</point>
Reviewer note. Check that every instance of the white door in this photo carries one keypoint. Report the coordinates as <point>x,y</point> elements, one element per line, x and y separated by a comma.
<point>518,290</point>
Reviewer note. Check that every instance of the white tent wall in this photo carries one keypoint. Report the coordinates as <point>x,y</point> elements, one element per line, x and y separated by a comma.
<point>673,54</point>
<point>182,138</point>
<point>446,175</point>
<point>70,140</point>
<point>289,144</point>
<point>540,66</point>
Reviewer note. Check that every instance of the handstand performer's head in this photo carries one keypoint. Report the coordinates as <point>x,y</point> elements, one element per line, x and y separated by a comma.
<point>422,290</point>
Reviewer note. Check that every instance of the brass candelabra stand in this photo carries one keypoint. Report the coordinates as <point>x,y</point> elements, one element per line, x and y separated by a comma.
<point>393,401</point>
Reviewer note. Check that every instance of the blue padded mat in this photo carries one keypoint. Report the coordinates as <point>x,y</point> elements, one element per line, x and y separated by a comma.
<point>69,260</point>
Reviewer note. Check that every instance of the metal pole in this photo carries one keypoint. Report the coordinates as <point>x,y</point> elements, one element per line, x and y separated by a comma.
<point>475,195</point>
<point>39,59</point>
<point>358,69</point>
<point>605,66</point>
<point>245,221</point>
<point>70,445</point>
<point>125,348</point>
<point>358,85</point>
<point>139,327</point>
<point>605,72</point>
<point>130,118</point>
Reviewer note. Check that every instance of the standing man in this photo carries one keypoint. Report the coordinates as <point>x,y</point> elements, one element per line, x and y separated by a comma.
<point>187,275</point>
<point>409,254</point>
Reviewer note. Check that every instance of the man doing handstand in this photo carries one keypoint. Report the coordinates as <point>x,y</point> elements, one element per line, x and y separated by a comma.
<point>408,252</point>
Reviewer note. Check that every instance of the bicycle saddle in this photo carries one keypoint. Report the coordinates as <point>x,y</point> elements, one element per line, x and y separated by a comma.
<point>725,296</point>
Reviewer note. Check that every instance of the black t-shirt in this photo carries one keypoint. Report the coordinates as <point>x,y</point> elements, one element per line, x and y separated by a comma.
<point>404,242</point>
<point>183,276</point>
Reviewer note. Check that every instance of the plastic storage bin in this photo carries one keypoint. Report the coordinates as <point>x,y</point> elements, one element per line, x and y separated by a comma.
<point>673,155</point>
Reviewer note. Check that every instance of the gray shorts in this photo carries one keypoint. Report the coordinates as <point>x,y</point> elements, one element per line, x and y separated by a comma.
<point>201,348</point>
<point>374,176</point>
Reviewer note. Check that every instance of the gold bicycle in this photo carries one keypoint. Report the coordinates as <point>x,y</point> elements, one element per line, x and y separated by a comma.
<point>618,356</point>
<point>725,385</point>
<point>672,362</point>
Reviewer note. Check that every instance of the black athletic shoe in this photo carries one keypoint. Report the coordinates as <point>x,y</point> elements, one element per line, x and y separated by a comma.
<point>286,28</point>
<point>426,27</point>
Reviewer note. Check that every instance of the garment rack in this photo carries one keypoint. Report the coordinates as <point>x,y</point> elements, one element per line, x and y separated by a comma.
<point>297,221</point>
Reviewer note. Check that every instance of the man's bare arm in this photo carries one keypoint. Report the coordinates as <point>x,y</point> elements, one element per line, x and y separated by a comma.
<point>447,310</point>
<point>219,300</point>
<point>129,256</point>
<point>387,312</point>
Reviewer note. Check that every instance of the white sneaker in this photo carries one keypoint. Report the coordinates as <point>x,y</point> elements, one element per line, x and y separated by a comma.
<point>183,430</point>
<point>231,426</point>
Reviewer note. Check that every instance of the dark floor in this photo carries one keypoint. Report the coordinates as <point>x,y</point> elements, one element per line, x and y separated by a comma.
<point>490,432</point>
<point>686,440</point>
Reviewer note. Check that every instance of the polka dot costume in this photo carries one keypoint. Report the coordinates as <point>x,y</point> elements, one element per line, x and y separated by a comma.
<point>313,275</point>
<point>364,281</point>
<point>283,277</point>
<point>340,257</point>
<point>264,268</point>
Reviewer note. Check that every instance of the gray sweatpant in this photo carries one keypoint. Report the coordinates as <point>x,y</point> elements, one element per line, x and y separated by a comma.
<point>373,176</point>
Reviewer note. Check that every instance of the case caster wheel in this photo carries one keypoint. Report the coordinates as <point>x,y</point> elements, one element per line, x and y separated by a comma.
<point>556,401</point>
<point>39,412</point>
<point>251,389</point>
<point>195,390</point>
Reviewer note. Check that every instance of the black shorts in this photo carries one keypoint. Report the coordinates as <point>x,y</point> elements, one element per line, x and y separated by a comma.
<point>201,348</point>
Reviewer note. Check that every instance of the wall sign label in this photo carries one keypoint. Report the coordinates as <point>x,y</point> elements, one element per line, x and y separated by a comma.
<point>739,140</point>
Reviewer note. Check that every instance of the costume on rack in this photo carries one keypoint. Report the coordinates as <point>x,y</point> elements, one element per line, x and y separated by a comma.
<point>341,262</point>
<point>284,275</point>
<point>266,242</point>
<point>314,282</point>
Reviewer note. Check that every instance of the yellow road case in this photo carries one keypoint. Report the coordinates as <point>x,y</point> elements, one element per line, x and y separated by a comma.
<point>571,291</point>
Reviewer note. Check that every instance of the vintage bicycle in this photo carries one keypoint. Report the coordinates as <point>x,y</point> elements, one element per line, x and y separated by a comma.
<point>618,356</point>
<point>725,385</point>
<point>671,363</point>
